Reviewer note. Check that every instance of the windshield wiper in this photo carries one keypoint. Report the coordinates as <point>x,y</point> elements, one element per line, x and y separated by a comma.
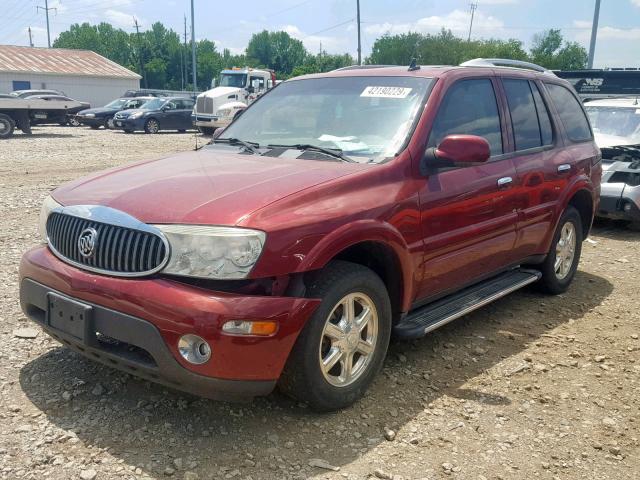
<point>332,152</point>
<point>250,146</point>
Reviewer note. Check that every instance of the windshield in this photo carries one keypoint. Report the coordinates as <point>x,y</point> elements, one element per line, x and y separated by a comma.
<point>362,116</point>
<point>154,104</point>
<point>237,80</point>
<point>616,121</point>
<point>116,103</point>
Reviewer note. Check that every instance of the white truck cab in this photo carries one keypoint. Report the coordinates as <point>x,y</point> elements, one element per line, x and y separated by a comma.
<point>236,90</point>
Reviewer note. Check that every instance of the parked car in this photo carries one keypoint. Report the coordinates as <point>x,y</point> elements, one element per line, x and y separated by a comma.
<point>616,126</point>
<point>29,93</point>
<point>171,113</point>
<point>150,92</point>
<point>103,116</point>
<point>338,209</point>
<point>69,117</point>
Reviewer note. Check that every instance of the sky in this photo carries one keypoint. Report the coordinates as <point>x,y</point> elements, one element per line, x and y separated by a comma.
<point>331,24</point>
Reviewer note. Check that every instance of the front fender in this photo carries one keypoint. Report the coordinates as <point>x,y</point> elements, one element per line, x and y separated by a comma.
<point>361,231</point>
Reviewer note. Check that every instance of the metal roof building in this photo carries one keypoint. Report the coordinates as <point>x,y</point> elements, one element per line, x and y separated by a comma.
<point>81,74</point>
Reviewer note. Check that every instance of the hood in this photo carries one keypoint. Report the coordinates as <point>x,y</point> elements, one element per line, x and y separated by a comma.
<point>98,111</point>
<point>213,186</point>
<point>128,113</point>
<point>221,92</point>
<point>603,140</point>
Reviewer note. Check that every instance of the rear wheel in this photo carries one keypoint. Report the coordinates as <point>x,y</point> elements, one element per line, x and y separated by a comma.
<point>561,263</point>
<point>108,123</point>
<point>6,126</point>
<point>152,126</point>
<point>343,345</point>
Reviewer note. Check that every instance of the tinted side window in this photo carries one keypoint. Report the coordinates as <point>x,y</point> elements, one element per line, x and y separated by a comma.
<point>524,116</point>
<point>546,130</point>
<point>469,107</point>
<point>573,118</point>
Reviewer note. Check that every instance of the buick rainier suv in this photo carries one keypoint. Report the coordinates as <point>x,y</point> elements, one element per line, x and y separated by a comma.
<point>338,210</point>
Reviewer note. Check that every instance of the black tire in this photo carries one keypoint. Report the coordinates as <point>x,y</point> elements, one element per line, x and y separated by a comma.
<point>207,130</point>
<point>152,126</point>
<point>7,126</point>
<point>302,377</point>
<point>108,123</point>
<point>551,282</point>
<point>94,127</point>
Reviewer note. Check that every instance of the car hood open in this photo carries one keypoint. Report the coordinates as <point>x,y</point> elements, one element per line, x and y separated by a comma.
<point>213,186</point>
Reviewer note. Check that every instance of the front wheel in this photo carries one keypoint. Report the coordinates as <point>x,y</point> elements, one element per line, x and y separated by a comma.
<point>561,263</point>
<point>152,126</point>
<point>343,345</point>
<point>108,123</point>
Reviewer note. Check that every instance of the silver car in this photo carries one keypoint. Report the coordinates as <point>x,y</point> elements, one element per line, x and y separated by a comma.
<point>616,126</point>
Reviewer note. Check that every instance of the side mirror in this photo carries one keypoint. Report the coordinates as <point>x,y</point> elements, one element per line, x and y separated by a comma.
<point>457,150</point>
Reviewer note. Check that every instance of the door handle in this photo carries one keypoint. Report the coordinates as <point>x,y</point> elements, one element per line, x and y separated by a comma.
<point>565,167</point>
<point>504,181</point>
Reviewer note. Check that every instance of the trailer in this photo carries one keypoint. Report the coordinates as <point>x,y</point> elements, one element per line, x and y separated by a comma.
<point>20,113</point>
<point>596,84</point>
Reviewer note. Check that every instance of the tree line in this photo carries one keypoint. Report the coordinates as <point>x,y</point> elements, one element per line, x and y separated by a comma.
<point>163,59</point>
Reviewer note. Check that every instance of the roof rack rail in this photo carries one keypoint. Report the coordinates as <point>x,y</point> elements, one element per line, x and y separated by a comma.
<point>505,62</point>
<point>361,67</point>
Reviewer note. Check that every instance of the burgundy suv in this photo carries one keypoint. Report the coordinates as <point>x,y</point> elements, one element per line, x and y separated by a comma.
<point>338,210</point>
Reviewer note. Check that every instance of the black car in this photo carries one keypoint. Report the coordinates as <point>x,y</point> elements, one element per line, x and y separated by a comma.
<point>172,113</point>
<point>103,116</point>
<point>70,117</point>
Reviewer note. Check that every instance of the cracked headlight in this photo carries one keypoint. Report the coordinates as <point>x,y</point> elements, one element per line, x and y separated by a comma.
<point>212,252</point>
<point>48,206</point>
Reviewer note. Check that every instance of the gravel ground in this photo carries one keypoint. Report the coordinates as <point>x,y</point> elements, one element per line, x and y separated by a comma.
<point>529,387</point>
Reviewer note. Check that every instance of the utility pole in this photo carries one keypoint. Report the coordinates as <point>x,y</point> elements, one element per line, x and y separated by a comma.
<point>30,38</point>
<point>594,34</point>
<point>184,52</point>
<point>359,41</point>
<point>474,7</point>
<point>193,47</point>
<point>140,61</point>
<point>46,11</point>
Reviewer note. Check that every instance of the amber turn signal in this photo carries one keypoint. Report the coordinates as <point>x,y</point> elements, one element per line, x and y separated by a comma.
<point>261,328</point>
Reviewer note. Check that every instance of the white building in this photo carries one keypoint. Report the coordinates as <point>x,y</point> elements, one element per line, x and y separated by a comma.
<point>81,74</point>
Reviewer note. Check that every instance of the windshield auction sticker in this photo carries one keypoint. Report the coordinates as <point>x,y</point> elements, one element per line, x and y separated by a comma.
<point>386,92</point>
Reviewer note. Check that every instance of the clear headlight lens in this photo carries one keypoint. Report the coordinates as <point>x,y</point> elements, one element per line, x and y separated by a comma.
<point>212,252</point>
<point>133,116</point>
<point>48,206</point>
<point>90,115</point>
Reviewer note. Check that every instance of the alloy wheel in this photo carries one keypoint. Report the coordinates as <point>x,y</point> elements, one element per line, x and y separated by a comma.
<point>565,250</point>
<point>153,126</point>
<point>348,339</point>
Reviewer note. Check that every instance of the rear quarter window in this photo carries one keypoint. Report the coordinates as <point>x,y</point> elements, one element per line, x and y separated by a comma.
<point>570,112</point>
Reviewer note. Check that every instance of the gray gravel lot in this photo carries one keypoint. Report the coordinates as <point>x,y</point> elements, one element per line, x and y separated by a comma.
<point>529,387</point>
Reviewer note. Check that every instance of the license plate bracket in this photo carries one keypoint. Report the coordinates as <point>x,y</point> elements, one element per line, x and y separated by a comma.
<point>68,316</point>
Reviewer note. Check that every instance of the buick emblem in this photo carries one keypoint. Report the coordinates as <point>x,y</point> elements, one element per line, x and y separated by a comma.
<point>87,242</point>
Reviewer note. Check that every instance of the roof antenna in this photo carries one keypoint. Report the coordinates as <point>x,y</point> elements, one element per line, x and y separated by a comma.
<point>414,66</point>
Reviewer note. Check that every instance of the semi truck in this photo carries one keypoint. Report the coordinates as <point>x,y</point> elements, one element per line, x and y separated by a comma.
<point>236,89</point>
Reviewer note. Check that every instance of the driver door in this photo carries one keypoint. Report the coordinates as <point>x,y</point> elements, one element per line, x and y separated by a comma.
<point>468,214</point>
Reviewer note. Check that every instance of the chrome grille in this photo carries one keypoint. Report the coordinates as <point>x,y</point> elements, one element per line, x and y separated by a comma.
<point>118,250</point>
<point>204,105</point>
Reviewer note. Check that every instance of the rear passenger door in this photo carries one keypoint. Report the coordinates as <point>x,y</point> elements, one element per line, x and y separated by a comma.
<point>534,139</point>
<point>468,214</point>
<point>185,107</point>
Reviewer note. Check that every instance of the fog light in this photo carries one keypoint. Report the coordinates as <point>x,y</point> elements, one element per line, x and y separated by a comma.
<point>194,349</point>
<point>245,327</point>
<point>627,207</point>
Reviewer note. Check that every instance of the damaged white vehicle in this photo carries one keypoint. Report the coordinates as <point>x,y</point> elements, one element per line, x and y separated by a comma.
<point>616,126</point>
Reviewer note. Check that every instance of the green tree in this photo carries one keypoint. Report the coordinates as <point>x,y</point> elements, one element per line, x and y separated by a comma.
<point>548,50</point>
<point>276,50</point>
